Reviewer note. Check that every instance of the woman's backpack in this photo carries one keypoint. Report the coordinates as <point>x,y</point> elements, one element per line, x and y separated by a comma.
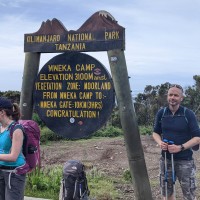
<point>74,183</point>
<point>31,145</point>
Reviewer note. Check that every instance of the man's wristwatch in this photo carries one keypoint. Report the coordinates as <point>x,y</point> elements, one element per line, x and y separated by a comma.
<point>182,148</point>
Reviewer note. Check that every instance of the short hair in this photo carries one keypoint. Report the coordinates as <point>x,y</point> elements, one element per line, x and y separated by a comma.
<point>176,86</point>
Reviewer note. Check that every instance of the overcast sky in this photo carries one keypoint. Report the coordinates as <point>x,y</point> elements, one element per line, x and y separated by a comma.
<point>162,36</point>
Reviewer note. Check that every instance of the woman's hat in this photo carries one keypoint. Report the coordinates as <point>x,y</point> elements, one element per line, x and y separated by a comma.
<point>5,103</point>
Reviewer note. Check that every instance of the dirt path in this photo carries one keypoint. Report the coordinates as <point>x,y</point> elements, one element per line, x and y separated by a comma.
<point>109,155</point>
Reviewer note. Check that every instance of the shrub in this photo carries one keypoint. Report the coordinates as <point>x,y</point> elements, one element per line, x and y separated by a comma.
<point>127,175</point>
<point>48,135</point>
<point>146,130</point>
<point>37,119</point>
<point>109,131</point>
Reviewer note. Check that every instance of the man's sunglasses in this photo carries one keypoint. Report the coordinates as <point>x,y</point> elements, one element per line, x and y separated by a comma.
<point>176,86</point>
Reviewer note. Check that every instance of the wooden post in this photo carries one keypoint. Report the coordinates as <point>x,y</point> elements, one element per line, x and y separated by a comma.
<point>31,67</point>
<point>129,125</point>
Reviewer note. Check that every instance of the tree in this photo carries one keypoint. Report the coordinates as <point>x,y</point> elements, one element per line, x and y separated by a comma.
<point>14,96</point>
<point>192,97</point>
<point>148,103</point>
<point>154,97</point>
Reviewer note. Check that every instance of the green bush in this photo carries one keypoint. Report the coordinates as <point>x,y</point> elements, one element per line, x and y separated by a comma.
<point>37,119</point>
<point>127,175</point>
<point>48,135</point>
<point>146,130</point>
<point>109,131</point>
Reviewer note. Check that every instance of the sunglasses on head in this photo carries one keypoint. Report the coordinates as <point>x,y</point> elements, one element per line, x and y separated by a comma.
<point>176,86</point>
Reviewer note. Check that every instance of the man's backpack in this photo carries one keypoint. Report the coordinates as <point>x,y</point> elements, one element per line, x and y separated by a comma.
<point>194,148</point>
<point>31,145</point>
<point>74,183</point>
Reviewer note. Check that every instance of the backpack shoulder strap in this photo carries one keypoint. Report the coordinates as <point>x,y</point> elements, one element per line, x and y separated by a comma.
<point>11,128</point>
<point>14,126</point>
<point>196,147</point>
<point>163,114</point>
<point>185,114</point>
<point>184,111</point>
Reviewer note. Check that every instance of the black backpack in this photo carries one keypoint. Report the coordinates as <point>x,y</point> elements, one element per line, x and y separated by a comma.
<point>74,181</point>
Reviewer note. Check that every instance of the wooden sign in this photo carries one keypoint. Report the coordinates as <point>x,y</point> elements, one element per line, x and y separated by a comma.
<point>100,32</point>
<point>74,95</point>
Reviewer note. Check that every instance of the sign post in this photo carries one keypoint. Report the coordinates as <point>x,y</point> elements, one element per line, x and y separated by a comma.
<point>129,124</point>
<point>31,67</point>
<point>100,32</point>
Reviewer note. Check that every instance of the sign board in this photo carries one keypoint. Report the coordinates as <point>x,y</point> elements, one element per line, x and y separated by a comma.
<point>100,32</point>
<point>74,95</point>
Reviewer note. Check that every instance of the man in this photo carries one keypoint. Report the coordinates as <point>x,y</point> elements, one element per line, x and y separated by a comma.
<point>176,131</point>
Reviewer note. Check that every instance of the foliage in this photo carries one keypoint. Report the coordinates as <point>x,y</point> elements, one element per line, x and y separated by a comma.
<point>146,130</point>
<point>108,131</point>
<point>154,97</point>
<point>192,97</point>
<point>37,119</point>
<point>115,118</point>
<point>127,175</point>
<point>146,104</point>
<point>48,135</point>
<point>14,96</point>
<point>101,186</point>
<point>44,183</point>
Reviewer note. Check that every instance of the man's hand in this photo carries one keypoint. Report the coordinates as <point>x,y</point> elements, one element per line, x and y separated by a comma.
<point>174,148</point>
<point>164,146</point>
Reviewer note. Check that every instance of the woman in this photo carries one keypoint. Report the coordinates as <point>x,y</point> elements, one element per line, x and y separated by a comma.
<point>11,185</point>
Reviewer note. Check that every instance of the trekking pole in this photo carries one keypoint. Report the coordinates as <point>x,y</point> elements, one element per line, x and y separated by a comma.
<point>80,190</point>
<point>173,171</point>
<point>165,152</point>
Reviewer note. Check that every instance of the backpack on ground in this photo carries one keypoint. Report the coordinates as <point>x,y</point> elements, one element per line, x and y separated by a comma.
<point>31,144</point>
<point>74,183</point>
<point>194,148</point>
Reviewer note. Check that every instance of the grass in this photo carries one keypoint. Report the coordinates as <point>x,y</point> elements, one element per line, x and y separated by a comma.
<point>101,186</point>
<point>46,184</point>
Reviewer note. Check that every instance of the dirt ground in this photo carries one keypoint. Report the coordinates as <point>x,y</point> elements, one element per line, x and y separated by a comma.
<point>109,156</point>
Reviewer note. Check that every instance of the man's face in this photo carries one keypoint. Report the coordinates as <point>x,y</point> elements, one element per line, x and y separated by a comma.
<point>174,96</point>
